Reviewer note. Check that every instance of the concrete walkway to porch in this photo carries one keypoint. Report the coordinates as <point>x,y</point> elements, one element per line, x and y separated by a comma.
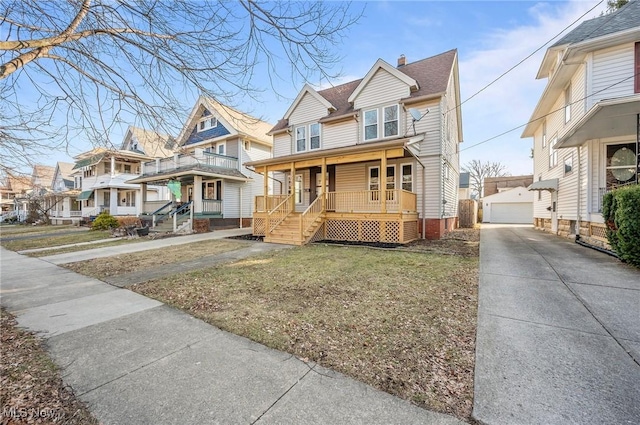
<point>110,251</point>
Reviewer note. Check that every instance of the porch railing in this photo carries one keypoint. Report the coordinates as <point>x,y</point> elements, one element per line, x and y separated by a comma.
<point>211,206</point>
<point>604,190</point>
<point>279,213</point>
<point>200,157</point>
<point>271,202</point>
<point>309,216</point>
<point>75,213</point>
<point>396,200</point>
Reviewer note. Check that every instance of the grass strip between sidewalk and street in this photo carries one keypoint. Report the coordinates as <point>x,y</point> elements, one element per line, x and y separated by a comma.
<point>403,322</point>
<point>31,389</point>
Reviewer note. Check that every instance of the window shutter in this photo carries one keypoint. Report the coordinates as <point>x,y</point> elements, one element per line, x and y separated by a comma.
<point>637,69</point>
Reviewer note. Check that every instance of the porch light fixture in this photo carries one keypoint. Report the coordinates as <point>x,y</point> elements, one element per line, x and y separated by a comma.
<point>417,116</point>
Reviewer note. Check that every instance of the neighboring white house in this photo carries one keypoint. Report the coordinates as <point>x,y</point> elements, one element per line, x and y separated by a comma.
<point>61,202</point>
<point>209,173</point>
<point>586,124</point>
<point>375,159</point>
<point>102,175</point>
<point>514,205</point>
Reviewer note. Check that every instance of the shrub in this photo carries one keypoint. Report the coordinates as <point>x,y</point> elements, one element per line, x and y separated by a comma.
<point>621,212</point>
<point>104,221</point>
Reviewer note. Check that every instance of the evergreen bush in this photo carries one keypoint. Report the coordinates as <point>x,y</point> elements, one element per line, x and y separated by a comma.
<point>104,221</point>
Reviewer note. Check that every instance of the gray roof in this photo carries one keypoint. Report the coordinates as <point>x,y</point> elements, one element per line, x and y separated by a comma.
<point>627,17</point>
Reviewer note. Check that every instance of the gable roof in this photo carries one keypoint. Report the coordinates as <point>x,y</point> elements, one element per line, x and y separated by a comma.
<point>380,64</point>
<point>307,89</point>
<point>42,176</point>
<point>625,18</point>
<point>236,122</point>
<point>150,143</point>
<point>431,75</point>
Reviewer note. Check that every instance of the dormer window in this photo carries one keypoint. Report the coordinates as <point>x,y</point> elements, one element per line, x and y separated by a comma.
<point>207,123</point>
<point>371,124</point>
<point>567,104</point>
<point>391,121</point>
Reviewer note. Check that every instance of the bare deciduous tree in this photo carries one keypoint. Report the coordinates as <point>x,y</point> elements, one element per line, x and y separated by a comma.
<point>479,170</point>
<point>76,69</point>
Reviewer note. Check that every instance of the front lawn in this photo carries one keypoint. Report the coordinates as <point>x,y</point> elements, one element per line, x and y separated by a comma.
<point>404,322</point>
<point>53,239</point>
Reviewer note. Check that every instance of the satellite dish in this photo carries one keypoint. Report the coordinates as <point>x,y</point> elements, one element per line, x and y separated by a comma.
<point>417,116</point>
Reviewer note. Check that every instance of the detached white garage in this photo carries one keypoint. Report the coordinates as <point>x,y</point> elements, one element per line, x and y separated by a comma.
<point>514,206</point>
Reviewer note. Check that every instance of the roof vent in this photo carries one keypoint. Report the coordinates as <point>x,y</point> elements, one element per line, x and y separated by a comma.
<point>402,61</point>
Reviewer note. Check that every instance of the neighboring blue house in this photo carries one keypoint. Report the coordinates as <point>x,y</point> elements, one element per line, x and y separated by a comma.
<point>208,173</point>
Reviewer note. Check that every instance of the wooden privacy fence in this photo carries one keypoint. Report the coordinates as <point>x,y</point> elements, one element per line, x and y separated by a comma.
<point>467,212</point>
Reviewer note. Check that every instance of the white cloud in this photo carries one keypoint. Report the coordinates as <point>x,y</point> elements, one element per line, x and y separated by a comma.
<point>510,101</point>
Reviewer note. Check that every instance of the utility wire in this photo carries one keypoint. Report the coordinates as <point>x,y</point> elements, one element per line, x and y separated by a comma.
<point>547,114</point>
<point>527,57</point>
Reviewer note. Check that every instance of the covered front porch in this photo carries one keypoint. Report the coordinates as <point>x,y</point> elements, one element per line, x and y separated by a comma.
<point>314,204</point>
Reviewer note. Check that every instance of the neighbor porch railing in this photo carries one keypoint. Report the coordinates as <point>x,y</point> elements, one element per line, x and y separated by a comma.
<point>604,190</point>
<point>199,157</point>
<point>211,206</point>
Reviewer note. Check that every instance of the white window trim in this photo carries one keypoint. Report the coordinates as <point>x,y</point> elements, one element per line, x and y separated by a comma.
<point>397,120</point>
<point>246,145</point>
<point>553,152</point>
<point>295,138</point>
<point>544,134</point>
<point>395,177</point>
<point>209,122</point>
<point>364,124</point>
<point>401,175</point>
<point>369,177</point>
<point>567,104</point>
<point>224,148</point>
<point>319,136</point>
<point>564,164</point>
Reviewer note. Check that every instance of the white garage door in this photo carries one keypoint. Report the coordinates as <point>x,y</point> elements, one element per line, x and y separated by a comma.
<point>518,212</point>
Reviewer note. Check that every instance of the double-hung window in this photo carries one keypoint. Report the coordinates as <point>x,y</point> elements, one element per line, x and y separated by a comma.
<point>301,139</point>
<point>207,123</point>
<point>314,136</point>
<point>221,148</point>
<point>544,134</point>
<point>391,121</point>
<point>371,124</point>
<point>553,152</point>
<point>407,177</point>
<point>567,104</point>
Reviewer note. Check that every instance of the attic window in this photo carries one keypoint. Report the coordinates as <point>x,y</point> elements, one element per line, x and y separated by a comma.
<point>207,123</point>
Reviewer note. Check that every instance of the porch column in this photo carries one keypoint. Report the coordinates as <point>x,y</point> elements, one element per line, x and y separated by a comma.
<point>197,194</point>
<point>113,166</point>
<point>323,182</point>
<point>292,185</point>
<point>113,201</point>
<point>265,198</point>
<point>383,182</point>
<point>143,190</point>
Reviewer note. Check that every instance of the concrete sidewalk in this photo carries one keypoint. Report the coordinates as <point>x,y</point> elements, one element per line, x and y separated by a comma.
<point>137,361</point>
<point>109,251</point>
<point>558,337</point>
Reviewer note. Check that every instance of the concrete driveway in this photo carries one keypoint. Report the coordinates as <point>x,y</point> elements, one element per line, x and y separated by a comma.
<point>558,332</point>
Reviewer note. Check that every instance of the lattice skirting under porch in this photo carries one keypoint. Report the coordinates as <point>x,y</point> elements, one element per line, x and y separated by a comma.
<point>259,226</point>
<point>368,230</point>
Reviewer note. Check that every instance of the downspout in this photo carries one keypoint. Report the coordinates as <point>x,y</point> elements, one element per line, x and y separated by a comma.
<point>579,198</point>
<point>423,176</point>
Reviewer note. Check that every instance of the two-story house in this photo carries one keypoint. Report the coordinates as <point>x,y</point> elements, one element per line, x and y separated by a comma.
<point>61,202</point>
<point>102,174</point>
<point>206,175</point>
<point>586,124</point>
<point>372,160</point>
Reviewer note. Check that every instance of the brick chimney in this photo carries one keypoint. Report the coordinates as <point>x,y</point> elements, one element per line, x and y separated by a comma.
<point>402,61</point>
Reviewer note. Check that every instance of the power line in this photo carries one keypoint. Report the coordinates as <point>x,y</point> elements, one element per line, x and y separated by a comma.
<point>527,57</point>
<point>546,115</point>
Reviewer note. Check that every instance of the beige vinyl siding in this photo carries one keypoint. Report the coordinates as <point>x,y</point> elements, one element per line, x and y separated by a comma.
<point>568,186</point>
<point>429,124</point>
<point>257,152</point>
<point>281,144</point>
<point>584,180</point>
<point>578,94</point>
<point>353,177</point>
<point>231,199</point>
<point>335,135</point>
<point>596,175</point>
<point>540,166</point>
<point>381,88</point>
<point>611,66</point>
<point>231,148</point>
<point>309,109</point>
<point>433,187</point>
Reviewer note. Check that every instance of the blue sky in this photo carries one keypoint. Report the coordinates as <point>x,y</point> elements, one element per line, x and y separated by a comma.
<point>491,36</point>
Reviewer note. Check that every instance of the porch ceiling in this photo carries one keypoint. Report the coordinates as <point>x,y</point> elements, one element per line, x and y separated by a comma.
<point>344,155</point>
<point>608,118</point>
<point>161,178</point>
